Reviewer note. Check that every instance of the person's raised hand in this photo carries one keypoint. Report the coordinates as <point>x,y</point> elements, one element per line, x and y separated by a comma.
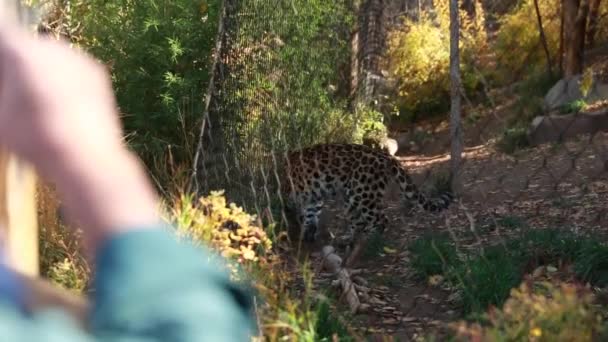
<point>58,111</point>
<point>53,99</point>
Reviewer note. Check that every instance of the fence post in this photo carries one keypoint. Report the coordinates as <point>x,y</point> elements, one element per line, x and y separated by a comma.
<point>18,218</point>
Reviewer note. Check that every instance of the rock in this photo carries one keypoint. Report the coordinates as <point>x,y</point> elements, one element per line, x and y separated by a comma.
<point>390,321</point>
<point>568,90</point>
<point>563,92</point>
<point>390,146</point>
<point>385,144</point>
<point>553,128</point>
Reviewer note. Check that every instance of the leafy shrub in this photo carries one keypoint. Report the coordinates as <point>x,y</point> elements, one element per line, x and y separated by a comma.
<point>67,274</point>
<point>284,311</point>
<point>226,228</point>
<point>591,263</point>
<point>418,57</point>
<point>287,60</point>
<point>158,54</point>
<point>573,107</point>
<point>513,139</point>
<point>547,312</point>
<point>60,248</point>
<point>369,127</point>
<point>518,48</point>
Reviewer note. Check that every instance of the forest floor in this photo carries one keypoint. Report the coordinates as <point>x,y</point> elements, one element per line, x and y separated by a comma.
<point>547,186</point>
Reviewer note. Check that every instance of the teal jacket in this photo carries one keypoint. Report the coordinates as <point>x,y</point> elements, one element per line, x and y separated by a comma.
<point>148,287</point>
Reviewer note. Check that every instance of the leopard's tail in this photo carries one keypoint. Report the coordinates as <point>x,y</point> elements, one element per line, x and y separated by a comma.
<point>412,194</point>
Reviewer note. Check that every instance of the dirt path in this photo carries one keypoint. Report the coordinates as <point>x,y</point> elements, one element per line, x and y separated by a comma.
<point>545,187</point>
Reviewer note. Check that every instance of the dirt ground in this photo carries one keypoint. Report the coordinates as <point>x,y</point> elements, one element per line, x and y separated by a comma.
<point>547,186</point>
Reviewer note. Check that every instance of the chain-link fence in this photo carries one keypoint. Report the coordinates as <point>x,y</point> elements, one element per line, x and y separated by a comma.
<point>290,74</point>
<point>285,76</point>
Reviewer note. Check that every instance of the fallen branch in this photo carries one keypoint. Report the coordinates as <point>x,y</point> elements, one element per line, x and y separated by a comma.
<point>333,263</point>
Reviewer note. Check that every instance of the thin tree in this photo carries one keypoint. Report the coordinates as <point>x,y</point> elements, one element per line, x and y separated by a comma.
<point>543,38</point>
<point>455,86</point>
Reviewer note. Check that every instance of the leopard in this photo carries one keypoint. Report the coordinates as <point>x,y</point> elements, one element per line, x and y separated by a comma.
<point>361,175</point>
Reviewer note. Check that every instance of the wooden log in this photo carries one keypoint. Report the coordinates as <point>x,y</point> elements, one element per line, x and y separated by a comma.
<point>333,263</point>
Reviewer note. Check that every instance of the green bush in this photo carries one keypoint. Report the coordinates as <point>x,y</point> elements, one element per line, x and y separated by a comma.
<point>517,45</point>
<point>369,127</point>
<point>288,57</point>
<point>286,312</point>
<point>513,139</point>
<point>573,107</point>
<point>158,53</point>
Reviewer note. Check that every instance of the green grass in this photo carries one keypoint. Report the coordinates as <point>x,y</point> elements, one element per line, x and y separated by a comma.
<point>374,246</point>
<point>327,325</point>
<point>432,254</point>
<point>486,277</point>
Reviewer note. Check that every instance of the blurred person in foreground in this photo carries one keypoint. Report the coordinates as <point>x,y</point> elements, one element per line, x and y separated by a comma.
<point>58,112</point>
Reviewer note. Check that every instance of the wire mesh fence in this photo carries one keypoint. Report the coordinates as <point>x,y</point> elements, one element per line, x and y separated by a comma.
<point>288,74</point>
<point>259,108</point>
<point>514,177</point>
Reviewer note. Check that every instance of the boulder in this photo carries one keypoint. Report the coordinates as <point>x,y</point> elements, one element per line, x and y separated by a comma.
<point>390,145</point>
<point>568,90</point>
<point>386,144</point>
<point>554,128</point>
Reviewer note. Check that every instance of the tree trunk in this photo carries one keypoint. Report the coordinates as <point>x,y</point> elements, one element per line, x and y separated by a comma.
<point>543,39</point>
<point>455,86</point>
<point>575,25</point>
<point>370,46</point>
<point>469,7</point>
<point>594,11</point>
<point>561,39</point>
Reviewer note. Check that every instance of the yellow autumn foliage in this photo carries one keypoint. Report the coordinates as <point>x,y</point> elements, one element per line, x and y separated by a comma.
<point>227,228</point>
<point>518,46</point>
<point>418,56</point>
<point>542,312</point>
